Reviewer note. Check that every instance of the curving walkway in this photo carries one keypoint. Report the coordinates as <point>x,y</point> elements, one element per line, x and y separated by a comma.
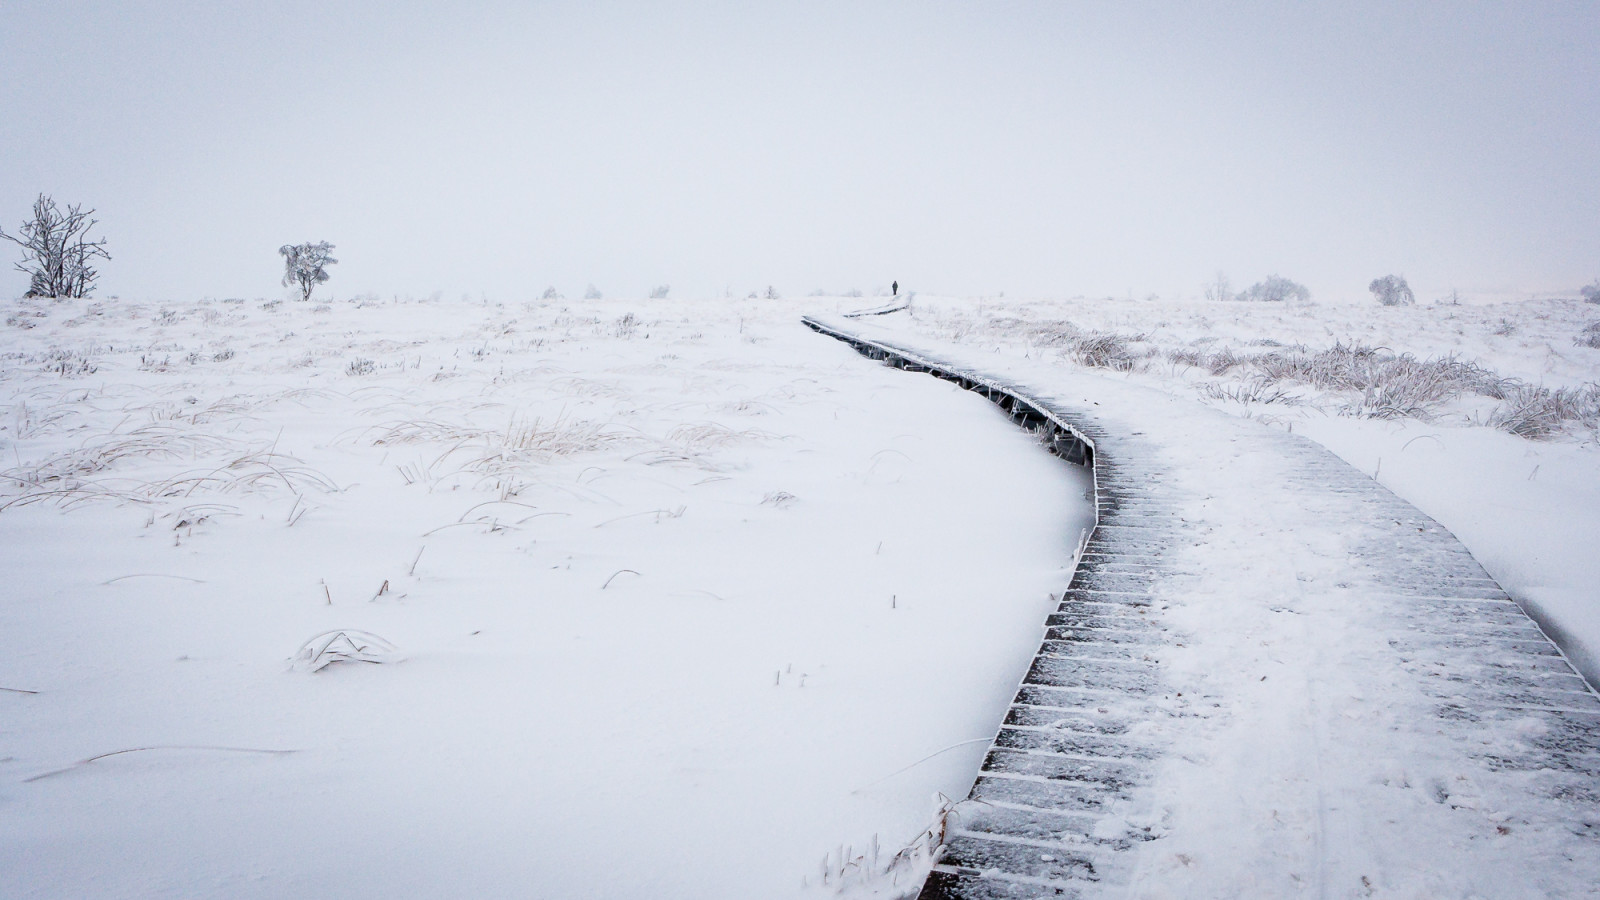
<point>1269,676</point>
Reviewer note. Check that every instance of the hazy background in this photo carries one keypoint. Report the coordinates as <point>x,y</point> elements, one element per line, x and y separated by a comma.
<point>1038,148</point>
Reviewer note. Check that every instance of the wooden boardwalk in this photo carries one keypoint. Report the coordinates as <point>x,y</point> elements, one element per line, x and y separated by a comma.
<point>1129,701</point>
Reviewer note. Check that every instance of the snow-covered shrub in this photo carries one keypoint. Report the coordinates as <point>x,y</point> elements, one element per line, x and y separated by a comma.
<point>1221,361</point>
<point>1276,289</point>
<point>592,293</point>
<point>1102,351</point>
<point>1251,390</point>
<point>626,326</point>
<point>1392,290</point>
<point>659,292</point>
<point>1536,412</point>
<point>360,366</point>
<point>772,293</point>
<point>1097,349</point>
<point>1185,356</point>
<point>1591,292</point>
<point>1590,336</point>
<point>305,265</point>
<point>550,293</point>
<point>1390,385</point>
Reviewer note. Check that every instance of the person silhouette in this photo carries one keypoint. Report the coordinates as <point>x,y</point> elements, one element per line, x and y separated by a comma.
<point>895,287</point>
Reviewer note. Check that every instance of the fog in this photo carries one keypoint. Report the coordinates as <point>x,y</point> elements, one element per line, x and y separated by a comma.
<point>496,148</point>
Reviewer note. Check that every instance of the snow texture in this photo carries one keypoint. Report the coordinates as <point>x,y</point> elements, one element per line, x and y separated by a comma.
<point>1269,675</point>
<point>682,598</point>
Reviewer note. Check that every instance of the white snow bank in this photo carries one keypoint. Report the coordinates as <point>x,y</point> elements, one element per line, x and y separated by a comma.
<point>680,595</point>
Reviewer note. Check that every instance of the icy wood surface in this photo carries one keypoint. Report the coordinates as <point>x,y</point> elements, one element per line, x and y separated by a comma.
<point>1269,675</point>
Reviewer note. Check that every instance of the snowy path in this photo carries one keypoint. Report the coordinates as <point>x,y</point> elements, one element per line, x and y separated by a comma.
<point>1269,675</point>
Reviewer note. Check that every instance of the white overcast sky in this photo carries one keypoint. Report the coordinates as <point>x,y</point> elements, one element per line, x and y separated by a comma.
<point>1044,148</point>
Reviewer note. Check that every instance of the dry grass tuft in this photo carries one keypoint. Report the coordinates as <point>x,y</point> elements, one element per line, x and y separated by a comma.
<point>343,645</point>
<point>1539,413</point>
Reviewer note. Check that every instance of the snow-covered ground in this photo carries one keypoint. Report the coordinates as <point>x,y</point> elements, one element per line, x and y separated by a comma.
<point>681,597</point>
<point>1272,677</point>
<point>1527,508</point>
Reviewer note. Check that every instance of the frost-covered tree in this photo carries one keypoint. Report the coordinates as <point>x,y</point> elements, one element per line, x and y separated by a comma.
<point>305,265</point>
<point>56,252</point>
<point>550,293</point>
<point>1219,288</point>
<point>593,293</point>
<point>659,292</point>
<point>1276,289</point>
<point>1392,290</point>
<point>1591,292</point>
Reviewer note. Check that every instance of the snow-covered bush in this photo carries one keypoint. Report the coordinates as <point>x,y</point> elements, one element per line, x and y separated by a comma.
<point>626,326</point>
<point>1591,292</point>
<point>1392,290</point>
<point>1096,349</point>
<point>1537,412</point>
<point>659,292</point>
<point>592,293</point>
<point>1276,289</point>
<point>1590,336</point>
<point>772,293</point>
<point>550,293</point>
<point>305,265</point>
<point>55,254</point>
<point>1391,385</point>
<point>1103,351</point>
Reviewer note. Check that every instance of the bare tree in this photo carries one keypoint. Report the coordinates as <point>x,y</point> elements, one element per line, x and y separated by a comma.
<point>1219,288</point>
<point>305,265</point>
<point>56,252</point>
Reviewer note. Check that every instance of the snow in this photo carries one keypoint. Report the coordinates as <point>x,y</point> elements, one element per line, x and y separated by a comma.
<point>1337,703</point>
<point>682,597</point>
<point>1528,510</point>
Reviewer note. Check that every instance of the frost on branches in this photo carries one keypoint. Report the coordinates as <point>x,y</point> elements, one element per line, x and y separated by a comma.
<point>56,254</point>
<point>305,265</point>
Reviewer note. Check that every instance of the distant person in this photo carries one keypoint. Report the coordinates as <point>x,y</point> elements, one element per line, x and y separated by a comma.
<point>895,287</point>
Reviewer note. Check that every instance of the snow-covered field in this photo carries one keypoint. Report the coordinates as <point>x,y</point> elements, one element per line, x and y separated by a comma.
<point>1438,397</point>
<point>661,598</point>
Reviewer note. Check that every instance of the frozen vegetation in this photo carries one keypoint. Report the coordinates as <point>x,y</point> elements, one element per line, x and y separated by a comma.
<point>418,598</point>
<point>1484,415</point>
<point>662,597</point>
